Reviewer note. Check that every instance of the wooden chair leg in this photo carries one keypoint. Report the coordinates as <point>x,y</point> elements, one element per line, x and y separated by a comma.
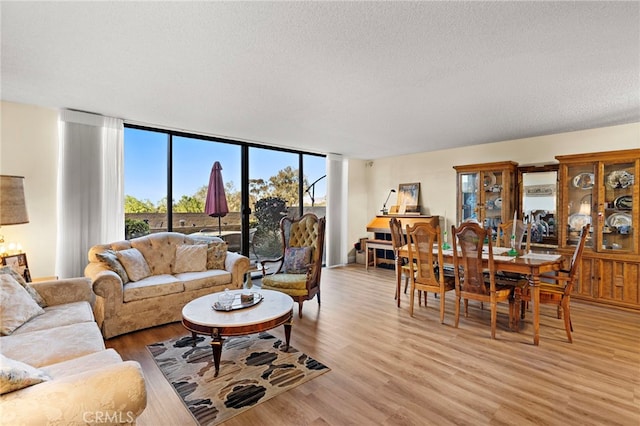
<point>442,308</point>
<point>567,319</point>
<point>494,317</point>
<point>457,312</point>
<point>411,296</point>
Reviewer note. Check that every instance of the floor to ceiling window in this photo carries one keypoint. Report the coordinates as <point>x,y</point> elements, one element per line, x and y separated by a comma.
<point>162,165</point>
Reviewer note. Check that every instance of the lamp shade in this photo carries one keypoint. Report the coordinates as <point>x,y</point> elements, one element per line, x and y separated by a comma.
<point>13,210</point>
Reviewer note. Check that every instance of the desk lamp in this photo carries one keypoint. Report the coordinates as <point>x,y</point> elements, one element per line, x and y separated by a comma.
<point>384,206</point>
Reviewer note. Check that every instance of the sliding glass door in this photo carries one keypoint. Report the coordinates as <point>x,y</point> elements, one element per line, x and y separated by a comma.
<point>261,186</point>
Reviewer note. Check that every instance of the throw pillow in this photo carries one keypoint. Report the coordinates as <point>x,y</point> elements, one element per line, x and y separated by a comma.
<point>134,263</point>
<point>216,255</point>
<point>190,258</point>
<point>17,306</point>
<point>20,280</point>
<point>16,375</point>
<point>109,258</point>
<point>296,260</point>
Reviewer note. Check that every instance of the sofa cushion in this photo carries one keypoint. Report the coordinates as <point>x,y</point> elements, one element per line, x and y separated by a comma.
<point>20,280</point>
<point>134,263</point>
<point>59,315</point>
<point>153,286</point>
<point>206,279</point>
<point>296,260</point>
<point>110,258</point>
<point>68,342</point>
<point>16,375</point>
<point>159,250</point>
<point>84,363</point>
<point>17,306</point>
<point>216,254</point>
<point>190,258</point>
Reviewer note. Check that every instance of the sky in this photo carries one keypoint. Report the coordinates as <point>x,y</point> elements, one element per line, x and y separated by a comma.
<point>145,167</point>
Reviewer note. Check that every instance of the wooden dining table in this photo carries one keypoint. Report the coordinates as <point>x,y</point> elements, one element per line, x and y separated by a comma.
<point>531,264</point>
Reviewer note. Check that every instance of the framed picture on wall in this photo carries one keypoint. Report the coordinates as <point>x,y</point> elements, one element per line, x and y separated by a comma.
<point>18,262</point>
<point>408,195</point>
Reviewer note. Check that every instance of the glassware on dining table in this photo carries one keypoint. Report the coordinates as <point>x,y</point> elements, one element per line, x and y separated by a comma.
<point>513,251</point>
<point>445,244</point>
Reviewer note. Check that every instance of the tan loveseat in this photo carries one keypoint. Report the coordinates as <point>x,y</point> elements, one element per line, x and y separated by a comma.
<point>85,383</point>
<point>176,276</point>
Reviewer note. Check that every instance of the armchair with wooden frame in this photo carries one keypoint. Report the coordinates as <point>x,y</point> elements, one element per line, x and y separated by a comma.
<point>469,273</point>
<point>429,268</point>
<point>300,266</point>
<point>558,292</point>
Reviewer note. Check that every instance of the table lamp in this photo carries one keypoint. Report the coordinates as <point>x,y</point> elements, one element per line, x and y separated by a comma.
<point>13,209</point>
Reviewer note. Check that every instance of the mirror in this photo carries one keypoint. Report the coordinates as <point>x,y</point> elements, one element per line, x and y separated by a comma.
<point>538,202</point>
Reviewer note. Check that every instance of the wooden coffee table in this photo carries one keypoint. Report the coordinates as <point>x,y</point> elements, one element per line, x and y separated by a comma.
<point>199,317</point>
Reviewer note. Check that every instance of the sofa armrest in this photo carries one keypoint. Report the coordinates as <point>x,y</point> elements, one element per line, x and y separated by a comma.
<point>238,265</point>
<point>113,394</point>
<point>68,290</point>
<point>108,286</point>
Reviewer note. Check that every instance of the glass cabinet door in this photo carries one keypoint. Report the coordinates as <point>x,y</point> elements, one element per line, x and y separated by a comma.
<point>617,228</point>
<point>469,196</point>
<point>580,201</point>
<point>492,184</point>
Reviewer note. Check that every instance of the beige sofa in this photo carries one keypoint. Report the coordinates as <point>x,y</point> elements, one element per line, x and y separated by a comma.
<point>86,383</point>
<point>132,301</point>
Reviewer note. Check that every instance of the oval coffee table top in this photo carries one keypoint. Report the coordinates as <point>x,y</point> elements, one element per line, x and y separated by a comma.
<point>273,306</point>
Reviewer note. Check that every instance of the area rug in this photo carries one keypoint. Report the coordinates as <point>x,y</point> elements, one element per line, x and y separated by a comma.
<point>253,369</point>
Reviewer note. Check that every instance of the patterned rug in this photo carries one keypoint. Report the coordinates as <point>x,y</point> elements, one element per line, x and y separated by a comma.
<point>253,369</point>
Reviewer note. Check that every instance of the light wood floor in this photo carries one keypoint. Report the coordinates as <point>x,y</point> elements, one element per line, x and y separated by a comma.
<point>391,369</point>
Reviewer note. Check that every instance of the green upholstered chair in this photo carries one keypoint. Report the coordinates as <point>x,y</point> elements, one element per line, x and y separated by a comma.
<point>300,265</point>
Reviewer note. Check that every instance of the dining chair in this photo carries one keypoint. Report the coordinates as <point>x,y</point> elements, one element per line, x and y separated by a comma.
<point>558,292</point>
<point>300,265</point>
<point>523,233</point>
<point>397,241</point>
<point>469,273</point>
<point>429,274</point>
<point>503,239</point>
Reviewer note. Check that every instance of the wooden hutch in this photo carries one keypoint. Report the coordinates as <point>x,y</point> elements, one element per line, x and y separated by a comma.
<point>603,189</point>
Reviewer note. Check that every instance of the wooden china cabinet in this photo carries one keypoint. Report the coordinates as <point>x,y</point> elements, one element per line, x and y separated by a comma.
<point>603,189</point>
<point>486,192</point>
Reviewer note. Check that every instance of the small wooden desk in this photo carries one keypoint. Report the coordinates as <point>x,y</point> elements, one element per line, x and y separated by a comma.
<point>373,245</point>
<point>531,265</point>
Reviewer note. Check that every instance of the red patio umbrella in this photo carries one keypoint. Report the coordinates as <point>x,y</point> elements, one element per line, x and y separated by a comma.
<point>216,202</point>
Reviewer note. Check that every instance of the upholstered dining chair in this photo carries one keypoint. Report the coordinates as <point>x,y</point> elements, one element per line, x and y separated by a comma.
<point>523,233</point>
<point>300,265</point>
<point>558,291</point>
<point>470,282</point>
<point>429,268</point>
<point>397,241</point>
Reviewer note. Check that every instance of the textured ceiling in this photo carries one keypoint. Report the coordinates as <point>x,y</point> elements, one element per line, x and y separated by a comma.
<point>364,79</point>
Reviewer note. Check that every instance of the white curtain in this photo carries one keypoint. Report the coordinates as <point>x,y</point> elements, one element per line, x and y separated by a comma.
<point>90,187</point>
<point>336,231</point>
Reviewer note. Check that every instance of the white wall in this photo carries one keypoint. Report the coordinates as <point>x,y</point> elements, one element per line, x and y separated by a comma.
<point>29,148</point>
<point>434,170</point>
